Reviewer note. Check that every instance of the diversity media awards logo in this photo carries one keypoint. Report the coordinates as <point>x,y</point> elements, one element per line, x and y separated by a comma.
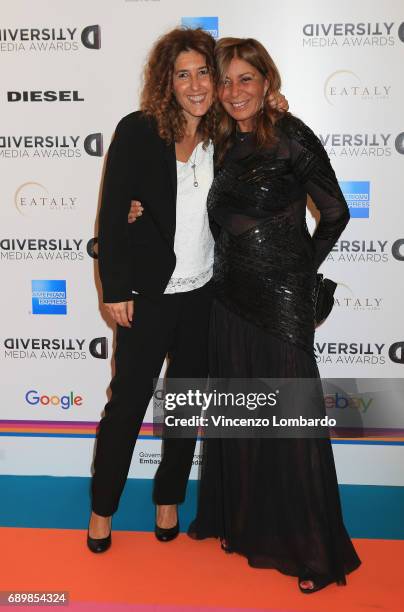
<point>51,146</point>
<point>360,34</point>
<point>359,144</point>
<point>25,248</point>
<point>209,24</point>
<point>357,195</point>
<point>49,39</point>
<point>359,353</point>
<point>49,297</point>
<point>367,251</point>
<point>73,349</point>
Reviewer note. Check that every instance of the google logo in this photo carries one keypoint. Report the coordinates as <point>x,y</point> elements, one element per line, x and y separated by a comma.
<point>65,401</point>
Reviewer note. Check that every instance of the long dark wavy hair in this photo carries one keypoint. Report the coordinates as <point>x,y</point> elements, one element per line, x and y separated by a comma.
<point>253,52</point>
<point>158,99</point>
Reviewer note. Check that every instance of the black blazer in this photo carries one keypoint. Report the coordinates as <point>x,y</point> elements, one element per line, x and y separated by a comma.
<point>138,256</point>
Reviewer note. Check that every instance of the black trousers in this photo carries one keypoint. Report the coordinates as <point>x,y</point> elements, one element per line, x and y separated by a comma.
<point>175,325</point>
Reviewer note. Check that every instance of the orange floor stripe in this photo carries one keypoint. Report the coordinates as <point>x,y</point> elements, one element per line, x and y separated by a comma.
<point>140,570</point>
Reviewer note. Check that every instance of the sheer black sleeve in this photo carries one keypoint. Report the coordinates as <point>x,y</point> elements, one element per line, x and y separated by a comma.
<point>312,167</point>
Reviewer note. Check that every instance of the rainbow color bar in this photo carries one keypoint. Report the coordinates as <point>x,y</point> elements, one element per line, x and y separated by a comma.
<point>87,429</point>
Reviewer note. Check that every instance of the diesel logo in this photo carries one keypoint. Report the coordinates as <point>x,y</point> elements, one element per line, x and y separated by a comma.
<point>44,96</point>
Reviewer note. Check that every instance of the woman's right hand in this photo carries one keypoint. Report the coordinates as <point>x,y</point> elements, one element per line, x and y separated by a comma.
<point>121,312</point>
<point>136,210</point>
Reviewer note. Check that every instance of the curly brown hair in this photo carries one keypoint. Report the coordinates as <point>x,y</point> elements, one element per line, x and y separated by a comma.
<point>253,52</point>
<point>158,99</point>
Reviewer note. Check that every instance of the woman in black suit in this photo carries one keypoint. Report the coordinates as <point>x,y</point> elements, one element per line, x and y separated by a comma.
<point>155,274</point>
<point>160,304</point>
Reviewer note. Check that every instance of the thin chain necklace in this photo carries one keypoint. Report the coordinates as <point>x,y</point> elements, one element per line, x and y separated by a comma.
<point>193,166</point>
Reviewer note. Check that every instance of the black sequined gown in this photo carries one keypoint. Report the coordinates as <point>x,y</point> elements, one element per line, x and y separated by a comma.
<point>276,501</point>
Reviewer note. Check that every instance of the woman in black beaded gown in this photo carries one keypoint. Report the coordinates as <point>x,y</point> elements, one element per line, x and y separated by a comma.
<point>275,501</point>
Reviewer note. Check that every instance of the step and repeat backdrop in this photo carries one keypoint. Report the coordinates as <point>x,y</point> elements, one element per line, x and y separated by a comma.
<point>70,70</point>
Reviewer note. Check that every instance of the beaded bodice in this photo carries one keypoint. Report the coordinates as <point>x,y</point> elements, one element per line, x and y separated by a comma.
<point>265,258</point>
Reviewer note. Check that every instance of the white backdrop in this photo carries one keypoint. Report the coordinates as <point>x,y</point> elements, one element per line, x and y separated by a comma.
<point>341,64</point>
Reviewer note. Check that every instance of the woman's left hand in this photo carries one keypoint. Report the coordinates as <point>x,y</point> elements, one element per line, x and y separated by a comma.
<point>278,102</point>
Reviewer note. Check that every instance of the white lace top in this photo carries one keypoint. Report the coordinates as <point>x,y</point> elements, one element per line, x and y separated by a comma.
<point>193,243</point>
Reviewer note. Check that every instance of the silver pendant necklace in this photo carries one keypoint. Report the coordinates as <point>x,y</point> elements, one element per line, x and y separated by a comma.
<point>193,166</point>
